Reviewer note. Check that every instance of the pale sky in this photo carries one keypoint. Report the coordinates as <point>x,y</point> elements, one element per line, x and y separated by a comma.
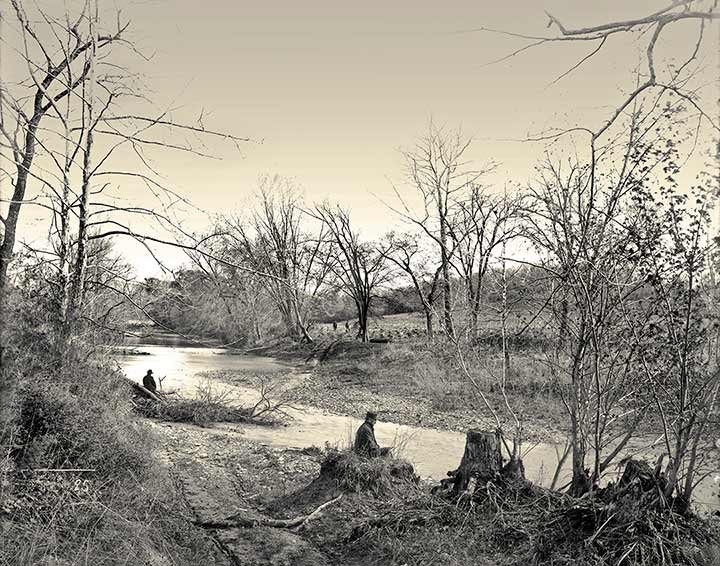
<point>335,89</point>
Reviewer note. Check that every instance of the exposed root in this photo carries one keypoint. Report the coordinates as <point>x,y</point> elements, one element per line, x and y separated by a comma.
<point>244,521</point>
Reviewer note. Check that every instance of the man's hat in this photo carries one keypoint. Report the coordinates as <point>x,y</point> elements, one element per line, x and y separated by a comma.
<point>149,371</point>
<point>370,415</point>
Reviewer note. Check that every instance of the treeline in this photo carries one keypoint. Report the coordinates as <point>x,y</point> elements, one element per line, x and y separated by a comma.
<point>610,253</point>
<point>609,246</point>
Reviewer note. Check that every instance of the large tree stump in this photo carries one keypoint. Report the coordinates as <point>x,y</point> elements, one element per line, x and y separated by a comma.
<point>480,463</point>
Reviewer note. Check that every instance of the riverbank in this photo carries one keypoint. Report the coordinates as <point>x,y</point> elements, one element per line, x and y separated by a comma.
<point>410,383</point>
<point>237,488</point>
<point>78,482</point>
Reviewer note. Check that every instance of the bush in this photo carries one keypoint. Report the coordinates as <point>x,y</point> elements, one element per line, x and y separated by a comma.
<point>83,422</point>
<point>379,476</point>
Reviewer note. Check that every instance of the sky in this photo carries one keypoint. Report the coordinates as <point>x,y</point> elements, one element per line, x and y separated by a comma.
<point>330,92</point>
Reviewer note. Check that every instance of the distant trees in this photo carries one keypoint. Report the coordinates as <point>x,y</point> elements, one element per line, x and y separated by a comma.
<point>281,241</point>
<point>407,253</point>
<point>483,223</point>
<point>360,268</point>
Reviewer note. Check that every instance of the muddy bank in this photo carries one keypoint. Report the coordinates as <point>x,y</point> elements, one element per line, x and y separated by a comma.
<point>333,394</point>
<point>222,474</point>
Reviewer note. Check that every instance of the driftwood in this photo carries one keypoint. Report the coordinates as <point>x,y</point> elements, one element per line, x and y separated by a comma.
<point>143,392</point>
<point>245,521</point>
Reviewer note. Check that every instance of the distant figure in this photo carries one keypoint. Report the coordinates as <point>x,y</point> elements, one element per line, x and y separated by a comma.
<point>365,443</point>
<point>149,382</point>
<point>334,326</point>
<point>347,326</point>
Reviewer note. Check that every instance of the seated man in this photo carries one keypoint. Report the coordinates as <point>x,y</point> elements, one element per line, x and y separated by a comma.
<point>149,382</point>
<point>365,443</point>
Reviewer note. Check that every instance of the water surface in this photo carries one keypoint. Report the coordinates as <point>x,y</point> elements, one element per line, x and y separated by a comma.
<point>433,452</point>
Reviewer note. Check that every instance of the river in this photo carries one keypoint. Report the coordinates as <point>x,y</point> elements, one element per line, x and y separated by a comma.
<point>432,452</point>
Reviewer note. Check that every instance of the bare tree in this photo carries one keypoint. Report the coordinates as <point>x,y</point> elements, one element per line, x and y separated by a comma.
<point>438,169</point>
<point>483,223</point>
<point>406,252</point>
<point>359,267</point>
<point>54,75</point>
<point>279,241</point>
<point>74,84</point>
<point>675,348</point>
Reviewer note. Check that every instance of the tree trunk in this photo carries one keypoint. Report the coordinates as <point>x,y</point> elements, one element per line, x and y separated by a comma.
<point>429,323</point>
<point>363,315</point>
<point>445,264</point>
<point>77,288</point>
<point>447,297</point>
<point>481,461</point>
<point>580,477</point>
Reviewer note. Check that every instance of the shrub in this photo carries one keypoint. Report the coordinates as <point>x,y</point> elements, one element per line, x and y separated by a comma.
<point>80,423</point>
<point>360,474</point>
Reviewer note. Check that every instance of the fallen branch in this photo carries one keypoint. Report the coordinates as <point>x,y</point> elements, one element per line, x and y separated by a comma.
<point>143,391</point>
<point>250,522</point>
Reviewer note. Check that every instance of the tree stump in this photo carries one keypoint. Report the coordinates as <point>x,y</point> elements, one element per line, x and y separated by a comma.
<point>480,463</point>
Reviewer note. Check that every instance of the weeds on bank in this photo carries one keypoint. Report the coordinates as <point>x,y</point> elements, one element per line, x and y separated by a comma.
<point>513,524</point>
<point>65,519</point>
<point>356,473</point>
<point>215,405</point>
<point>122,509</point>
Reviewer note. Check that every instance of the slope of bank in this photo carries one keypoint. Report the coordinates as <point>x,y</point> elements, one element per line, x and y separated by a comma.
<point>410,383</point>
<point>79,483</point>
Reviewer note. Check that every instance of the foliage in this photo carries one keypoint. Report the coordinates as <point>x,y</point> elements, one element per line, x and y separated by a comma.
<point>77,414</point>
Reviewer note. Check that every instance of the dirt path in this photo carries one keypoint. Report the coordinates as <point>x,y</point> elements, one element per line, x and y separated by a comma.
<point>222,474</point>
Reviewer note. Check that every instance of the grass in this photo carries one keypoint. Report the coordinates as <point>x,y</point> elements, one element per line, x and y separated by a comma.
<point>510,524</point>
<point>380,476</point>
<point>61,519</point>
<point>429,373</point>
<point>125,509</point>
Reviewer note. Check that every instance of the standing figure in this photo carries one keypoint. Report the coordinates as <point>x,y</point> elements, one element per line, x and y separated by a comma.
<point>149,382</point>
<point>334,326</point>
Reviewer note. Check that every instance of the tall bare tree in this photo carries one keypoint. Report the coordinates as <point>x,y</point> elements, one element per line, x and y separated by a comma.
<point>359,267</point>
<point>54,75</point>
<point>288,246</point>
<point>438,169</point>
<point>74,84</point>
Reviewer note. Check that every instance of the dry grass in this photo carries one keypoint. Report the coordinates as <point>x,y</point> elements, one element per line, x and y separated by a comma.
<point>415,369</point>
<point>379,476</point>
<point>124,510</point>
<point>515,524</point>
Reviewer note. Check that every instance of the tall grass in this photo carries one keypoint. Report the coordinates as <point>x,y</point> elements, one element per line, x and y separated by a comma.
<point>76,414</point>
